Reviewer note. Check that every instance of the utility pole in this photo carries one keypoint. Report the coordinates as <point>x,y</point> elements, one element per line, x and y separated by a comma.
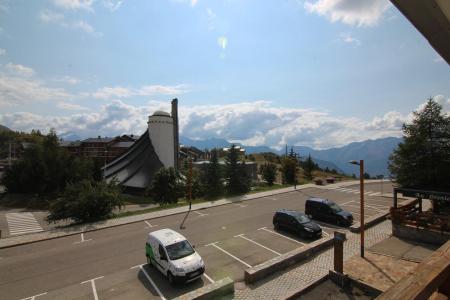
<point>190,183</point>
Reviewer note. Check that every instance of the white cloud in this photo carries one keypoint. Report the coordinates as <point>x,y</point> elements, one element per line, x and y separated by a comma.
<point>353,12</point>
<point>68,79</point>
<point>74,4</point>
<point>190,2</point>
<point>84,26</point>
<point>70,106</point>
<point>211,19</point>
<point>2,51</point>
<point>18,90</point>
<point>194,2</point>
<point>20,70</point>
<point>347,37</point>
<point>112,5</point>
<point>251,123</point>
<point>51,17</point>
<point>146,90</point>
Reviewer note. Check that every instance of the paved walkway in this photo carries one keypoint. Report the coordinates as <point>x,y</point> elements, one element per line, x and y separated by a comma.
<point>65,231</point>
<point>280,284</point>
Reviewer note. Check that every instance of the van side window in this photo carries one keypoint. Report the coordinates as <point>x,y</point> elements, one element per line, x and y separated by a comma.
<point>162,254</point>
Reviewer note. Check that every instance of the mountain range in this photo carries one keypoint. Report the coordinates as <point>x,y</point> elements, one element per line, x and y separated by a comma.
<point>375,153</point>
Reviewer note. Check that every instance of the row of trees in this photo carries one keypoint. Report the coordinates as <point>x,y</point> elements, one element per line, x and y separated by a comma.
<point>211,181</point>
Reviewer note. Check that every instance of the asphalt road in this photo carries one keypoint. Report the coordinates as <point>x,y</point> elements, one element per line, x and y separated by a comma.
<point>110,263</point>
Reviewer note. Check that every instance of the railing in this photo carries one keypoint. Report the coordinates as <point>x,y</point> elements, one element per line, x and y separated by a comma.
<point>410,214</point>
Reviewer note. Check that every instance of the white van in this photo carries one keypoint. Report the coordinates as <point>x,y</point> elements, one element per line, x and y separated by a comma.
<point>174,256</point>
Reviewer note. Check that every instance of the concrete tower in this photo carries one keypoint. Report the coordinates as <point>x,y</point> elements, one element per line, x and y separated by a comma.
<point>161,133</point>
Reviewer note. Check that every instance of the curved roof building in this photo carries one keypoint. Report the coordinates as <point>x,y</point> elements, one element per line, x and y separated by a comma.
<point>156,148</point>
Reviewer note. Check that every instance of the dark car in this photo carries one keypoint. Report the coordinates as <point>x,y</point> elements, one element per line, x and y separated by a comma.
<point>297,223</point>
<point>327,211</point>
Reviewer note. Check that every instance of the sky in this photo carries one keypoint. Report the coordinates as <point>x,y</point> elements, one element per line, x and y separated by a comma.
<point>318,73</point>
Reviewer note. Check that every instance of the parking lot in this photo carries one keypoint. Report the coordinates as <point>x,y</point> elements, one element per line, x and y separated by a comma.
<point>110,263</point>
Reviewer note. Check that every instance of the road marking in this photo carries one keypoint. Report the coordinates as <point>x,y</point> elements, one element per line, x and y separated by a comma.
<point>21,223</point>
<point>367,193</point>
<point>256,243</point>
<point>200,214</point>
<point>276,233</point>
<point>375,194</point>
<point>365,205</point>
<point>240,205</point>
<point>228,253</point>
<point>323,231</point>
<point>150,280</point>
<point>270,198</point>
<point>345,203</point>
<point>94,289</point>
<point>82,239</point>
<point>33,297</point>
<point>149,225</point>
<point>209,278</point>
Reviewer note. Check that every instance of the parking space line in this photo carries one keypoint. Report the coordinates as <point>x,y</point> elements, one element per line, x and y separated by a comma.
<point>375,194</point>
<point>256,243</point>
<point>240,205</point>
<point>150,280</point>
<point>149,225</point>
<point>365,205</point>
<point>94,289</point>
<point>82,239</point>
<point>326,233</point>
<point>276,233</point>
<point>228,253</point>
<point>209,278</point>
<point>34,297</point>
<point>270,198</point>
<point>199,213</point>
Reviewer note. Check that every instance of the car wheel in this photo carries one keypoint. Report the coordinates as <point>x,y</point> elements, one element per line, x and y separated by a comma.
<point>170,277</point>
<point>276,226</point>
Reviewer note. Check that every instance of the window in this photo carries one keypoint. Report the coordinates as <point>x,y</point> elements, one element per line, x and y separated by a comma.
<point>179,250</point>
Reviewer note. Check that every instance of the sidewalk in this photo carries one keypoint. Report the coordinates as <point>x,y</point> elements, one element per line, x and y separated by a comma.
<point>72,230</point>
<point>279,285</point>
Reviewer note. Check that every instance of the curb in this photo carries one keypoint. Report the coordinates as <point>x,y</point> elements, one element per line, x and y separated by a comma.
<point>216,290</point>
<point>286,260</point>
<point>297,293</point>
<point>374,220</point>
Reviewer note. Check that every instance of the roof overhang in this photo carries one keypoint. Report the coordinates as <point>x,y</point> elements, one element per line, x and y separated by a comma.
<point>432,19</point>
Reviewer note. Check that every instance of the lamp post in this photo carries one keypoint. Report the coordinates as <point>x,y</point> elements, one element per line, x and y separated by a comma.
<point>361,192</point>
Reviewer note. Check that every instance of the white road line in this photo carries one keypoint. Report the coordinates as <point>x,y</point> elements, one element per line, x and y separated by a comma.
<point>228,253</point>
<point>33,297</point>
<point>326,233</point>
<point>270,198</point>
<point>209,278</point>
<point>94,289</point>
<point>345,203</point>
<point>150,280</point>
<point>21,223</point>
<point>367,193</point>
<point>256,243</point>
<point>82,239</point>
<point>365,205</point>
<point>240,205</point>
<point>375,194</point>
<point>199,213</point>
<point>276,233</point>
<point>149,225</point>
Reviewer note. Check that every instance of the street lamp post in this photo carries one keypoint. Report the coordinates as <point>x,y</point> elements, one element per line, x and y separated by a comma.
<point>361,192</point>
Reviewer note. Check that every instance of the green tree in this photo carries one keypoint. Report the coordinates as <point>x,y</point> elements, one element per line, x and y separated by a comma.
<point>46,168</point>
<point>289,170</point>
<point>269,172</point>
<point>308,167</point>
<point>366,175</point>
<point>423,158</point>
<point>165,187</point>
<point>86,201</point>
<point>212,177</point>
<point>236,178</point>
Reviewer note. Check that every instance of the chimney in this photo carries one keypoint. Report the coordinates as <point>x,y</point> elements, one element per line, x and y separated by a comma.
<point>176,142</point>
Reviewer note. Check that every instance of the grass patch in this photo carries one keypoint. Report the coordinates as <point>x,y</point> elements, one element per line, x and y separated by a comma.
<point>265,187</point>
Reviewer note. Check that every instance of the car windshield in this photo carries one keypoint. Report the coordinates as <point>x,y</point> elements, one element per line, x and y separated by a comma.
<point>179,250</point>
<point>335,208</point>
<point>302,218</point>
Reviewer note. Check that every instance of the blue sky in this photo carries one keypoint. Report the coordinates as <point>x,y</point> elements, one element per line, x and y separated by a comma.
<point>319,73</point>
